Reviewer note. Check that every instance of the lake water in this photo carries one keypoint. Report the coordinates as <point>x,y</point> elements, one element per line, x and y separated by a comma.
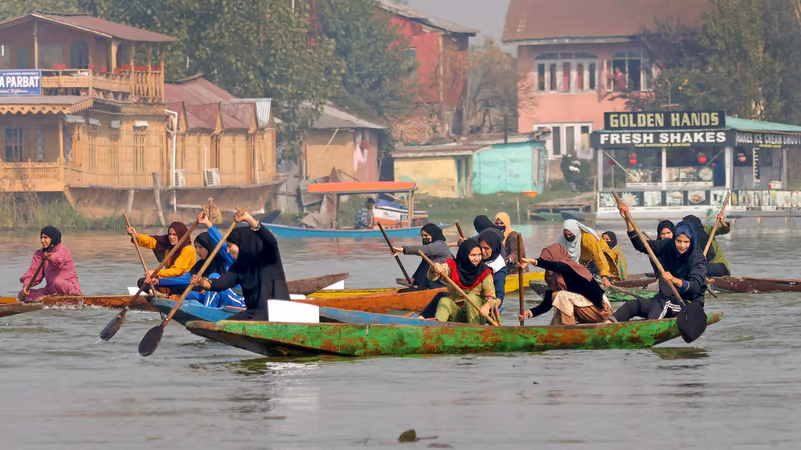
<point>61,387</point>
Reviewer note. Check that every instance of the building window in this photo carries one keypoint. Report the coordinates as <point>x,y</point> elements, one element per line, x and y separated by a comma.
<point>90,155</point>
<point>5,56</point>
<point>214,153</point>
<point>23,60</point>
<point>556,139</point>
<point>629,70</point>
<point>568,139</point>
<point>140,133</point>
<point>50,55</point>
<point>79,55</point>
<point>567,72</point>
<point>15,145</point>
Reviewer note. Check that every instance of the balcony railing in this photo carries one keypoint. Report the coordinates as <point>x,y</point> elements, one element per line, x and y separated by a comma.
<point>31,176</point>
<point>141,84</point>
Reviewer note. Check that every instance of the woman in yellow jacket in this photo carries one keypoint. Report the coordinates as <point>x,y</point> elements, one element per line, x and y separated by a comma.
<point>586,247</point>
<point>175,276</point>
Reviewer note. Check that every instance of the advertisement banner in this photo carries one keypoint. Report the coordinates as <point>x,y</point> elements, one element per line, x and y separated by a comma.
<point>20,82</point>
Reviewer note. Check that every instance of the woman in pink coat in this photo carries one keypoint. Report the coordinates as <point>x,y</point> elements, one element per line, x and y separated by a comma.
<point>58,270</point>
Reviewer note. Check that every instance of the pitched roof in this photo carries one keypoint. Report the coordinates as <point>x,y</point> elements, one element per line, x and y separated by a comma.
<point>333,117</point>
<point>93,25</point>
<point>43,104</point>
<point>425,19</point>
<point>202,116</point>
<point>552,19</point>
<point>195,90</point>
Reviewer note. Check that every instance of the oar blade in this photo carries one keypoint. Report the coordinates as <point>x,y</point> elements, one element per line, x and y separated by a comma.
<point>114,325</point>
<point>691,321</point>
<point>151,341</point>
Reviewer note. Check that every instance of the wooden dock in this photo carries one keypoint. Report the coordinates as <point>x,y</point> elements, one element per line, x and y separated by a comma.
<point>552,210</point>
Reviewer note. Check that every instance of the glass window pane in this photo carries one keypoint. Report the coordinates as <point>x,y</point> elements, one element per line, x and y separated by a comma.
<point>570,140</point>
<point>542,56</point>
<point>566,77</point>
<point>634,53</point>
<point>585,55</point>
<point>552,70</point>
<point>23,61</point>
<point>556,140</point>
<point>565,56</point>
<point>580,77</point>
<point>591,76</point>
<point>540,77</point>
<point>619,55</point>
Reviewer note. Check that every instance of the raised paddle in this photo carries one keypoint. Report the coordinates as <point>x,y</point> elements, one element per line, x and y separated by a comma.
<point>717,222</point>
<point>456,288</point>
<point>138,252</point>
<point>116,323</point>
<point>691,319</point>
<point>397,259</point>
<point>150,342</point>
<point>459,228</point>
<point>521,294</point>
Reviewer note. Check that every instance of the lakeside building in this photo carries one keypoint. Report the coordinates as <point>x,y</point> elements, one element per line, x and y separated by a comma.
<point>84,112</point>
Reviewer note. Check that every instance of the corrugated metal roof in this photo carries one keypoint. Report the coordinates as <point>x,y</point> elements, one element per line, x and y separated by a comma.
<point>549,19</point>
<point>735,123</point>
<point>263,106</point>
<point>94,25</point>
<point>196,91</point>
<point>202,116</point>
<point>426,19</point>
<point>333,117</point>
<point>430,151</point>
<point>237,116</point>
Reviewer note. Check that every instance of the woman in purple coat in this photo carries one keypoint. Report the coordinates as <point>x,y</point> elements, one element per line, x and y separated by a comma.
<point>58,271</point>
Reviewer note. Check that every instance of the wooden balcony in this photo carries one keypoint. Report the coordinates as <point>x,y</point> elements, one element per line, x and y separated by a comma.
<point>141,84</point>
<point>32,177</point>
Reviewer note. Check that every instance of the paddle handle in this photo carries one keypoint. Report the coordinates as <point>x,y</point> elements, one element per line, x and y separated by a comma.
<point>647,246</point>
<point>138,251</point>
<point>35,274</point>
<point>162,263</point>
<point>203,268</point>
<point>717,222</point>
<point>397,259</point>
<point>456,288</point>
<point>459,228</point>
<point>520,290</point>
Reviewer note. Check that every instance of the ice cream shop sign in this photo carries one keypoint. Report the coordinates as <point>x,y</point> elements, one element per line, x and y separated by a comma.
<point>20,82</point>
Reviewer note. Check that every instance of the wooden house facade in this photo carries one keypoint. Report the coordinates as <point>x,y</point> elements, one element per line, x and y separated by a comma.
<point>83,112</point>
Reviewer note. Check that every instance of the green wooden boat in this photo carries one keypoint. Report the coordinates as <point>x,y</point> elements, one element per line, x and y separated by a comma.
<point>296,339</point>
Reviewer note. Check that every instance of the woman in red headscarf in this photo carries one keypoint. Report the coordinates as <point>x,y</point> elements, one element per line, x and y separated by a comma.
<point>175,276</point>
<point>572,290</point>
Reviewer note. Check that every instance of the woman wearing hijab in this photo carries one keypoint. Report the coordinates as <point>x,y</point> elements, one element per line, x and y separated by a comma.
<point>683,261</point>
<point>58,270</point>
<point>205,243</point>
<point>504,225</point>
<point>174,276</point>
<point>572,290</point>
<point>257,268</point>
<point>586,247</point>
<point>716,264</point>
<point>470,273</point>
<point>620,260</point>
<point>665,230</point>
<point>491,251</point>
<point>435,247</point>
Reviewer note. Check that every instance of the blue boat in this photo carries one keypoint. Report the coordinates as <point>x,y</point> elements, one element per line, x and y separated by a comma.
<point>195,311</point>
<point>285,231</point>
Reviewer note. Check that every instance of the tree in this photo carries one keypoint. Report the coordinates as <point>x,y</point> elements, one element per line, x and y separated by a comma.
<point>495,90</point>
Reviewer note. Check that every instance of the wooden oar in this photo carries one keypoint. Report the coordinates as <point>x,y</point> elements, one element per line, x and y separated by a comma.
<point>150,342</point>
<point>30,283</point>
<point>459,228</point>
<point>397,259</point>
<point>138,252</point>
<point>717,222</point>
<point>691,320</point>
<point>114,325</point>
<point>520,290</point>
<point>456,288</point>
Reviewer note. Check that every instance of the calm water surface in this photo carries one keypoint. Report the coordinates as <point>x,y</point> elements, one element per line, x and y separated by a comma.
<point>62,388</point>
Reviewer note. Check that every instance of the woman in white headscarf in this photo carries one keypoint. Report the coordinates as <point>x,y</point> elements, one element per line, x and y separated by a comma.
<point>586,247</point>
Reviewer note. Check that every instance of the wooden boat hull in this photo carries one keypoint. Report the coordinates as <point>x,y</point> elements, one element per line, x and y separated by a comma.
<point>611,294</point>
<point>103,301</point>
<point>293,339</point>
<point>306,286</point>
<point>11,309</point>
<point>512,281</point>
<point>285,231</point>
<point>379,303</point>
<point>194,311</point>
<point>755,285</point>
<point>338,293</point>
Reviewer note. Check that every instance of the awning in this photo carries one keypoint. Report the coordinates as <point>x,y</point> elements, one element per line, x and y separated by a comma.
<point>363,187</point>
<point>45,104</point>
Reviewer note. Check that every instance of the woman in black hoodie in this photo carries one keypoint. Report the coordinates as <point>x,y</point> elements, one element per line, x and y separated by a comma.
<point>683,261</point>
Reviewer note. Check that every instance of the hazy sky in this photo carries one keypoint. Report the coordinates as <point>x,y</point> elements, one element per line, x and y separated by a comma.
<point>484,15</point>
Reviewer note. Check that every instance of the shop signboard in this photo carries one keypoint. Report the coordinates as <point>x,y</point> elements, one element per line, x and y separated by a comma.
<point>20,82</point>
<point>660,139</point>
<point>664,120</point>
<point>768,140</point>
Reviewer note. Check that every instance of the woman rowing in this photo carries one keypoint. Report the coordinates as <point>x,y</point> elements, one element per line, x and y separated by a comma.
<point>58,270</point>
<point>435,247</point>
<point>257,268</point>
<point>491,251</point>
<point>174,277</point>
<point>620,260</point>
<point>716,264</point>
<point>586,247</point>
<point>510,239</point>
<point>470,273</point>
<point>572,290</point>
<point>683,261</point>
<point>204,244</point>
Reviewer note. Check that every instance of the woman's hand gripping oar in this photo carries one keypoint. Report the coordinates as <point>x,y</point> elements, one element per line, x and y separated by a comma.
<point>150,342</point>
<point>692,318</point>
<point>718,221</point>
<point>138,252</point>
<point>457,288</point>
<point>397,259</point>
<point>116,323</point>
<point>26,291</point>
